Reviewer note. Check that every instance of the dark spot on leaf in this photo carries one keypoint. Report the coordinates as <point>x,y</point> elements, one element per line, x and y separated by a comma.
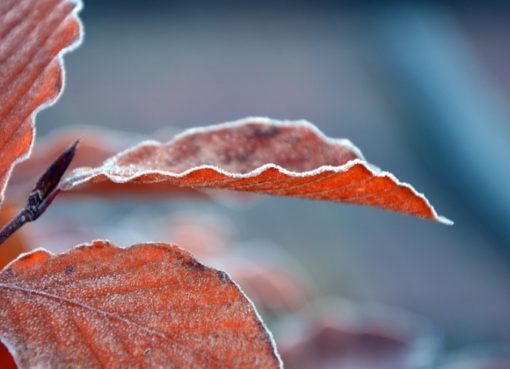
<point>215,335</point>
<point>69,269</point>
<point>292,140</point>
<point>264,131</point>
<point>224,279</point>
<point>226,159</point>
<point>193,264</point>
<point>243,156</point>
<point>236,156</point>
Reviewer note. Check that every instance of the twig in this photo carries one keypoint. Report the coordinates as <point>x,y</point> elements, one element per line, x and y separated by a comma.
<point>42,195</point>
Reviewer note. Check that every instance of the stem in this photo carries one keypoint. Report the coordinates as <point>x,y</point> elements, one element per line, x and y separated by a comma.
<point>42,195</point>
<point>13,226</point>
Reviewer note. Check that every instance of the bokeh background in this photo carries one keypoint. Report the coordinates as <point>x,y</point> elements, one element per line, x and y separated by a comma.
<point>422,88</point>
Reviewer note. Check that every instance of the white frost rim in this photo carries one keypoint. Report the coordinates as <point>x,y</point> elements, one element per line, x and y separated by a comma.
<point>60,57</point>
<point>268,333</point>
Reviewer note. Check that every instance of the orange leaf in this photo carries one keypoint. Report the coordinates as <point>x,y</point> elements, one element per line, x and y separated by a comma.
<point>150,306</point>
<point>263,156</point>
<point>33,36</point>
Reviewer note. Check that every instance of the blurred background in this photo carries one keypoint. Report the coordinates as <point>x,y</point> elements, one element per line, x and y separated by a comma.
<point>422,88</point>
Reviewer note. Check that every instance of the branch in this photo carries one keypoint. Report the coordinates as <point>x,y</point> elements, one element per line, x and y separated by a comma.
<point>43,194</point>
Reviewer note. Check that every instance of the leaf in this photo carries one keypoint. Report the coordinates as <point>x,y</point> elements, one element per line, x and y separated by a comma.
<point>331,346</point>
<point>274,288</point>
<point>33,36</point>
<point>206,235</point>
<point>262,156</point>
<point>149,305</point>
<point>347,335</point>
<point>96,145</point>
<point>17,243</point>
<point>273,279</point>
<point>6,358</point>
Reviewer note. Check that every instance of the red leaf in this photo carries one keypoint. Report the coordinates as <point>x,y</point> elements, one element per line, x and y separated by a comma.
<point>150,305</point>
<point>33,35</point>
<point>263,156</point>
<point>6,358</point>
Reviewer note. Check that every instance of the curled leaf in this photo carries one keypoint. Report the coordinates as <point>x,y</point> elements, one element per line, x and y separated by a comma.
<point>33,36</point>
<point>146,306</point>
<point>262,156</point>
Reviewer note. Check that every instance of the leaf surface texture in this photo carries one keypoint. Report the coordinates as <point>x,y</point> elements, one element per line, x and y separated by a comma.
<point>146,306</point>
<point>263,156</point>
<point>33,36</point>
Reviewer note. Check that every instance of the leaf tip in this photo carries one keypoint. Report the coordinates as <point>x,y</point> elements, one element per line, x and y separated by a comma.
<point>444,220</point>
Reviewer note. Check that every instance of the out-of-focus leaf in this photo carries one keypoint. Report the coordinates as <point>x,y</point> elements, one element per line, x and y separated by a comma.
<point>33,36</point>
<point>10,249</point>
<point>352,337</point>
<point>205,235</point>
<point>17,243</point>
<point>95,147</point>
<point>332,346</point>
<point>261,156</point>
<point>269,276</point>
<point>272,287</point>
<point>150,306</point>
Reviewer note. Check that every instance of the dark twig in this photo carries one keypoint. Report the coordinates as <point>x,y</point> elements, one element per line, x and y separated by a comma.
<point>42,195</point>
